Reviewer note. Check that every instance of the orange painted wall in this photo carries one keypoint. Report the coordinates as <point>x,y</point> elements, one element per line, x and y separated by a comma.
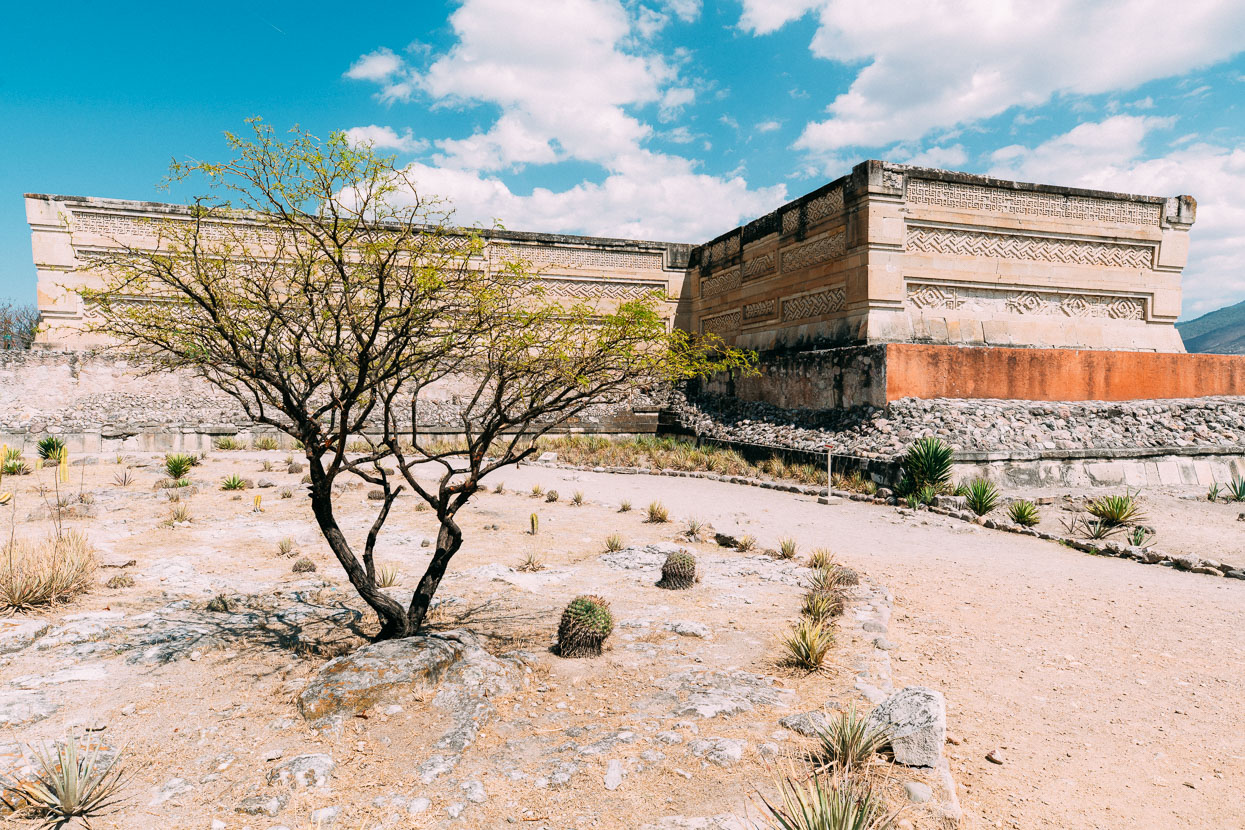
<point>924,371</point>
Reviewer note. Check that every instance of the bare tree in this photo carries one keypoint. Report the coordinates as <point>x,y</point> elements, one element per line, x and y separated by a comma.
<point>329,293</point>
<point>19,323</point>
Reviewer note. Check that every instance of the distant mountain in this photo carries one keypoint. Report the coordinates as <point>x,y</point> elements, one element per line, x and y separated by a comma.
<point>1220,332</point>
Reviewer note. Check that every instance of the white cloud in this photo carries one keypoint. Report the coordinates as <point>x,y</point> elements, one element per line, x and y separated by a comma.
<point>768,126</point>
<point>1107,156</point>
<point>947,158</point>
<point>386,138</point>
<point>376,66</point>
<point>958,61</point>
<point>570,91</point>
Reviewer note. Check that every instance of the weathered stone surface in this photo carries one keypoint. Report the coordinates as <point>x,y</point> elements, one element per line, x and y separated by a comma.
<point>263,804</point>
<point>722,752</point>
<point>302,771</point>
<point>20,707</point>
<point>710,694</point>
<point>17,634</point>
<point>915,719</point>
<point>809,724</point>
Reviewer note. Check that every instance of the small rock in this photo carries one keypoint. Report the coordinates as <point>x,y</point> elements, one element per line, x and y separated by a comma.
<point>808,724</point>
<point>614,775</point>
<point>263,805</point>
<point>474,791</point>
<point>918,793</point>
<point>302,771</point>
<point>456,809</point>
<point>915,718</point>
<point>670,737</point>
<point>273,754</point>
<point>687,628</point>
<point>325,817</point>
<point>417,805</point>
<point>217,824</point>
<point>172,788</point>
<point>723,752</point>
<point>995,756</point>
<point>264,482</point>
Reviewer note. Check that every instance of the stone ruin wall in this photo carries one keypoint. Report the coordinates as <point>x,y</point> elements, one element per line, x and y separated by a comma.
<point>892,253</point>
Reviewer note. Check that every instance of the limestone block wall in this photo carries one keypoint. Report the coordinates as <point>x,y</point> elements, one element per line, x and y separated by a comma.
<point>893,253</point>
<point>67,231</point>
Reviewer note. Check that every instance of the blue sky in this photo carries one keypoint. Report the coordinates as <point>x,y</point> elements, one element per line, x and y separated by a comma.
<point>665,119</point>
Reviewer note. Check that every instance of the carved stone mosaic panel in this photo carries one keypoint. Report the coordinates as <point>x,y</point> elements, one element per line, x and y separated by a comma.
<point>811,253</point>
<point>1032,248</point>
<point>719,283</point>
<point>721,325</point>
<point>118,226</point>
<point>602,289</point>
<point>760,310</point>
<point>815,304</point>
<point>548,256</point>
<point>790,220</point>
<point>825,205</point>
<point>758,266</point>
<point>1024,302</point>
<point>1000,200</point>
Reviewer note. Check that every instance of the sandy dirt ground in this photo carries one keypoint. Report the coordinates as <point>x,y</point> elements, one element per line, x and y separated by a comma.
<point>1109,689</point>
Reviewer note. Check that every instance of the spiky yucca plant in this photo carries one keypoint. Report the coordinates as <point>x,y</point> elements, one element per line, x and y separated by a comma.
<point>820,606</point>
<point>233,481</point>
<point>807,645</point>
<point>848,741</point>
<point>227,442</point>
<point>657,513</point>
<point>72,782</point>
<point>537,491</point>
<point>981,495</point>
<point>614,543</point>
<point>787,548</point>
<point>577,498</point>
<point>1236,489</point>
<point>678,572</point>
<point>927,463</point>
<point>266,442</point>
<point>585,624</point>
<point>820,558</point>
<point>531,563</point>
<point>820,803</point>
<point>625,507</point>
<point>50,448</point>
<point>387,576</point>
<point>1023,513</point>
<point>1116,510</point>
<point>177,465</point>
<point>746,543</point>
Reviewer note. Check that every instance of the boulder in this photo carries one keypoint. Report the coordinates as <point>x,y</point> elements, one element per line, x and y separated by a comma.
<point>915,720</point>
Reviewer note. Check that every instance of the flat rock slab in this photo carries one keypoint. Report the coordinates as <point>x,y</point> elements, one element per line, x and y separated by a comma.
<point>915,718</point>
<point>710,694</point>
<point>16,635</point>
<point>20,707</point>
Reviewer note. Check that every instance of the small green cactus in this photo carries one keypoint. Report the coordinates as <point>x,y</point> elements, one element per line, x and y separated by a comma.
<point>585,624</point>
<point>678,572</point>
<point>304,565</point>
<point>535,522</point>
<point>551,496</point>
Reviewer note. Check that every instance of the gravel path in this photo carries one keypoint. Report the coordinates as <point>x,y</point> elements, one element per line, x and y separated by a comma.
<point>1110,689</point>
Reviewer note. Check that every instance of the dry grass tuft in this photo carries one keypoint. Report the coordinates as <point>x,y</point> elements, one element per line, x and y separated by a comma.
<point>35,574</point>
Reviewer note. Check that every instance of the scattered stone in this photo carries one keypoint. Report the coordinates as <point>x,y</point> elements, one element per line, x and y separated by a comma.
<point>263,804</point>
<point>474,792</point>
<point>710,694</point>
<point>614,775</point>
<point>456,809</point>
<point>915,718</point>
<point>996,756</point>
<point>265,483</point>
<point>116,561</point>
<point>723,752</point>
<point>417,805</point>
<point>669,737</point>
<point>16,635</point>
<point>303,771</point>
<point>687,628</point>
<point>918,793</point>
<point>171,789</point>
<point>808,724</point>
<point>728,541</point>
<point>325,817</point>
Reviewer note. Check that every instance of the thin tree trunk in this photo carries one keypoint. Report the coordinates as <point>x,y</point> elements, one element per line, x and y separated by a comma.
<point>448,544</point>
<point>393,619</point>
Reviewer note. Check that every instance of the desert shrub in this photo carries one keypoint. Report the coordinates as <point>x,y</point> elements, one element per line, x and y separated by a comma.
<point>1141,536</point>
<point>15,467</point>
<point>286,492</point>
<point>1236,488</point>
<point>826,579</point>
<point>694,528</point>
<point>421,506</point>
<point>233,481</point>
<point>1023,513</point>
<point>303,565</point>
<point>177,465</point>
<point>820,606</point>
<point>120,581</point>
<point>531,563</point>
<point>266,442</point>
<point>537,491</point>
<point>848,741</point>
<point>657,513</point>
<point>807,645</point>
<point>220,604</point>
<point>981,495</point>
<point>1115,510</point>
<point>285,546</point>
<point>927,463</point>
<point>551,496</point>
<point>500,488</point>
<point>50,448</point>
<point>227,442</point>
<point>820,558</point>
<point>746,543</point>
<point>265,466</point>
<point>855,483</point>
<point>123,479</point>
<point>180,514</point>
<point>36,574</point>
<point>387,576</point>
<point>787,548</point>
<point>577,498</point>
<point>71,783</point>
<point>678,572</point>
<point>614,543</point>
<point>923,495</point>
<point>821,803</point>
<point>585,624</point>
<point>625,507</point>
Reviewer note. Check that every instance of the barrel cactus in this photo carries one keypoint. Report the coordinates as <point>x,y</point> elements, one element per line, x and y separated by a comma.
<point>585,624</point>
<point>679,571</point>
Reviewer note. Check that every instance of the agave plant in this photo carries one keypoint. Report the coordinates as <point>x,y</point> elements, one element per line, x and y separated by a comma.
<point>1023,513</point>
<point>927,463</point>
<point>50,448</point>
<point>177,465</point>
<point>233,481</point>
<point>657,513</point>
<point>787,548</point>
<point>1119,510</point>
<point>820,803</point>
<point>981,495</point>
<point>848,742</point>
<point>614,543</point>
<point>73,782</point>
<point>807,645</point>
<point>1214,492</point>
<point>1236,488</point>
<point>531,563</point>
<point>1140,536</point>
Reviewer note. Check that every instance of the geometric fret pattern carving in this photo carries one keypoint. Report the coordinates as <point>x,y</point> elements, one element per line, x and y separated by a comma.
<point>1024,302</point>
<point>1000,200</point>
<point>1032,248</point>
<point>578,258</point>
<point>791,220</point>
<point>721,325</point>
<point>757,266</point>
<point>816,304</point>
<point>811,253</point>
<point>601,289</point>
<point>760,310</point>
<point>719,283</point>
<point>825,205</point>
